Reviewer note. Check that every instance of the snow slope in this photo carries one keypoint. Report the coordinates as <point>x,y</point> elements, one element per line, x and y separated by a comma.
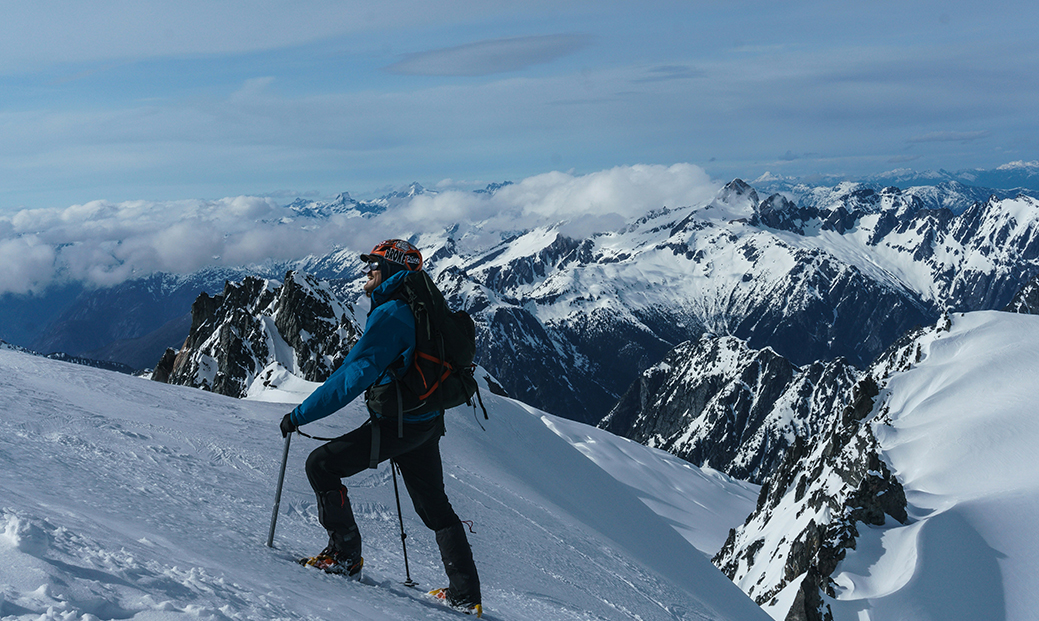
<point>127,499</point>
<point>962,441</point>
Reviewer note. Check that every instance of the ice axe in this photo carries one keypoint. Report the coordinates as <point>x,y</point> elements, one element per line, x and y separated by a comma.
<point>277,494</point>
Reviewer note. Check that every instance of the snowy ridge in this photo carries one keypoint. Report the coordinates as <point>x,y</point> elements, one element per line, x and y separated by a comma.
<point>918,502</point>
<point>123,498</point>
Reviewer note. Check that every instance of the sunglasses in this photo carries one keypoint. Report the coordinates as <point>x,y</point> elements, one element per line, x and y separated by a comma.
<point>370,267</point>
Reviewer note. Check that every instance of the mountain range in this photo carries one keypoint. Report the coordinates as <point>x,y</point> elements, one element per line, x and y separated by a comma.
<point>762,336</point>
<point>841,273</point>
<point>1012,178</point>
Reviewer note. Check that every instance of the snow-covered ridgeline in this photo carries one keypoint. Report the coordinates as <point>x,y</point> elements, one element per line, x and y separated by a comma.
<point>124,498</point>
<point>918,504</point>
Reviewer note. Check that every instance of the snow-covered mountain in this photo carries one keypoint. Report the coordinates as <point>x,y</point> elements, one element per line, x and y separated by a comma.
<point>716,402</point>
<point>845,278</point>
<point>977,259</point>
<point>1005,181</point>
<point>346,205</point>
<point>917,502</point>
<point>259,334</point>
<point>122,498</point>
<point>843,272</point>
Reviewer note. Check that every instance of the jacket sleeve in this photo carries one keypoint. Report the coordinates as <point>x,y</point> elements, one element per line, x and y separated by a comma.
<point>389,334</point>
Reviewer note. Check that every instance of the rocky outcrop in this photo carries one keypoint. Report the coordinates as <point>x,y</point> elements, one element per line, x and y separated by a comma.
<point>256,329</point>
<point>717,402</point>
<point>1027,299</point>
<point>811,508</point>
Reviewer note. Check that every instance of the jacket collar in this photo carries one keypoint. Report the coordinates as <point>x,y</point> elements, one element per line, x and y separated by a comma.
<point>387,288</point>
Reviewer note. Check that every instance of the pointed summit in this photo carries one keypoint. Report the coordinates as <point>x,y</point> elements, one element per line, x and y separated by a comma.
<point>737,189</point>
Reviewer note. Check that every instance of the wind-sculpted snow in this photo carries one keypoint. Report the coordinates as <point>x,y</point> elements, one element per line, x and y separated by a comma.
<point>918,501</point>
<point>122,498</point>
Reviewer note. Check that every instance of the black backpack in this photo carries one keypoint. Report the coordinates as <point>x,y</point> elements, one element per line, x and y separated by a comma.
<point>441,374</point>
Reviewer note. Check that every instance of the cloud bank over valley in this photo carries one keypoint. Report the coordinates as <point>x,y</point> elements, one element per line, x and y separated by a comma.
<point>104,243</point>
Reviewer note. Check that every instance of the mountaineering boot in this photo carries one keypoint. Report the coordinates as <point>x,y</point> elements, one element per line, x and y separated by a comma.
<point>463,591</point>
<point>335,514</point>
<point>331,561</point>
<point>443,596</point>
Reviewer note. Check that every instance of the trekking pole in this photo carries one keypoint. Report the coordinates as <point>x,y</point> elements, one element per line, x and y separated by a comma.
<point>277,494</point>
<point>407,572</point>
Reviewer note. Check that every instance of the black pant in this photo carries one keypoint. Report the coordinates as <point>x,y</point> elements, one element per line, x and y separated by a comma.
<point>418,455</point>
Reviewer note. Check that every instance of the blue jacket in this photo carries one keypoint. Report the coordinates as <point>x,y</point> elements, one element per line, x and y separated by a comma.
<point>388,339</point>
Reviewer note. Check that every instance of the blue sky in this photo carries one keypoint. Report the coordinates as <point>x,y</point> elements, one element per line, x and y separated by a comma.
<point>196,99</point>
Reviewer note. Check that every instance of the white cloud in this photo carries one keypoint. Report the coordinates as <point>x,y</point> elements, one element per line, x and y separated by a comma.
<point>28,265</point>
<point>104,243</point>
<point>587,203</point>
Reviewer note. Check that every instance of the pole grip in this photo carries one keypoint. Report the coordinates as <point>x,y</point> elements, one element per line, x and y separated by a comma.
<point>277,494</point>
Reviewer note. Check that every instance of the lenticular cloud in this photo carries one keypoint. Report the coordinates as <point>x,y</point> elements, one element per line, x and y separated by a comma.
<point>103,243</point>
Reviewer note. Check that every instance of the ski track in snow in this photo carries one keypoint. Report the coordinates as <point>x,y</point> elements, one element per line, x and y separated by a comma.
<point>122,498</point>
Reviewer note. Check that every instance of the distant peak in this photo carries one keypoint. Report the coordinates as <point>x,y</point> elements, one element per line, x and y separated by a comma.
<point>1019,165</point>
<point>738,186</point>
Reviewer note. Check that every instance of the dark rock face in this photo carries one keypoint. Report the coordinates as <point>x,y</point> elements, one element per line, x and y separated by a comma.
<point>257,327</point>
<point>825,309</point>
<point>716,402</point>
<point>227,342</point>
<point>776,212</point>
<point>315,324</point>
<point>163,369</point>
<point>1027,299</point>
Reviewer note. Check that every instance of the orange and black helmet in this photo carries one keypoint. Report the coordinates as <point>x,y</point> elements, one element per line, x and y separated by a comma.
<point>395,251</point>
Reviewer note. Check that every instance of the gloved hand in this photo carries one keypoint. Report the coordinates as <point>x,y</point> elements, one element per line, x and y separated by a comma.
<point>287,426</point>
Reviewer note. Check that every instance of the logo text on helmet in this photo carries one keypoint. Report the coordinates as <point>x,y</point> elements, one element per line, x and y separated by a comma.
<point>406,256</point>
